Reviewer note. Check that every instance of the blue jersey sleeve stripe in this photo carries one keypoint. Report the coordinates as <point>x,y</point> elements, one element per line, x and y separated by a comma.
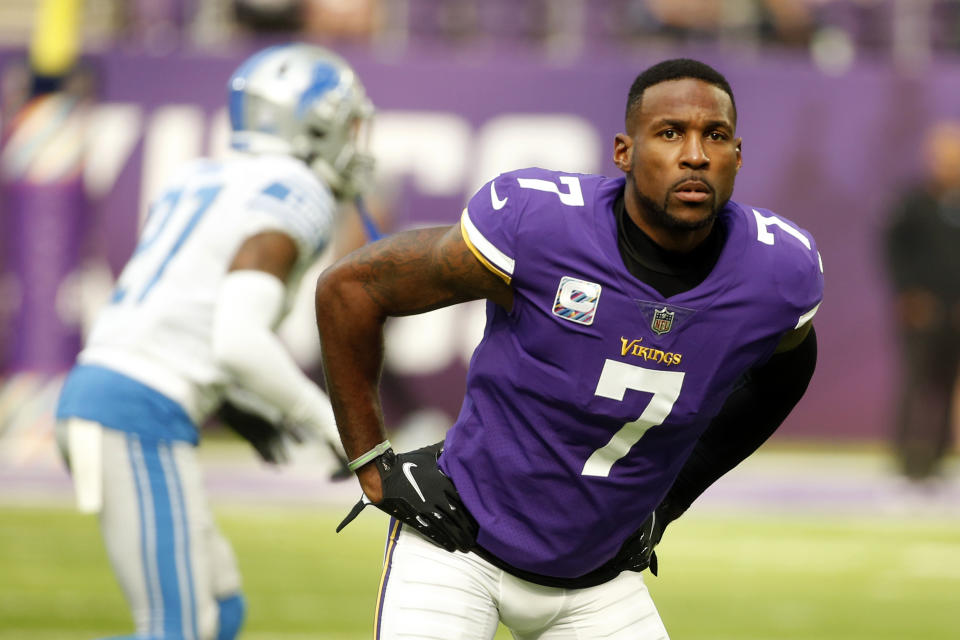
<point>293,197</point>
<point>304,211</point>
<point>277,190</point>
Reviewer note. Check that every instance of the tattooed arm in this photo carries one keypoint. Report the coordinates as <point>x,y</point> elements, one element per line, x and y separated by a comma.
<point>404,274</point>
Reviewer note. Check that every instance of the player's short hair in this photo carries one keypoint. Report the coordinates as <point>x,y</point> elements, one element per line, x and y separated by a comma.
<point>676,69</point>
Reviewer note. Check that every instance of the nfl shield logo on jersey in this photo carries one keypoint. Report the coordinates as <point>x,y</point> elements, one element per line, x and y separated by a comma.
<point>662,321</point>
<point>576,300</point>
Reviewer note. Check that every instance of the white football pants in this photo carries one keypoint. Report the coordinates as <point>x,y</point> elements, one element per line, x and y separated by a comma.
<point>172,562</point>
<point>426,592</point>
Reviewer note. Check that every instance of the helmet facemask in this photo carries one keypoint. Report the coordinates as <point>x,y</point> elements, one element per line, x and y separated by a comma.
<point>335,143</point>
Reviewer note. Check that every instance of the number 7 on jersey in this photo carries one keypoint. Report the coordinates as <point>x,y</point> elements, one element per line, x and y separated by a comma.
<point>615,379</point>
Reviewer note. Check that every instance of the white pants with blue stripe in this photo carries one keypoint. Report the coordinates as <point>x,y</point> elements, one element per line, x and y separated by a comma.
<point>173,564</point>
<point>428,593</point>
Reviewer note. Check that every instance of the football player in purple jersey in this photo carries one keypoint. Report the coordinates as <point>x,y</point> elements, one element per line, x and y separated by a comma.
<point>644,335</point>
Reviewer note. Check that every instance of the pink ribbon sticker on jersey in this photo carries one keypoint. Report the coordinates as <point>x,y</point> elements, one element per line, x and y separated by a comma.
<point>576,300</point>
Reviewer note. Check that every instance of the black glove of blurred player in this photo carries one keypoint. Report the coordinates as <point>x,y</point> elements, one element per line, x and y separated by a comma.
<point>342,472</point>
<point>418,494</point>
<point>267,438</point>
<point>265,428</point>
<point>637,553</point>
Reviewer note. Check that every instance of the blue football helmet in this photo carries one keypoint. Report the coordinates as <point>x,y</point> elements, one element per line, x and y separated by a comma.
<point>305,101</point>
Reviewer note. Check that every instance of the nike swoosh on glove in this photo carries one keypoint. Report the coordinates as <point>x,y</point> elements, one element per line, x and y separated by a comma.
<point>417,493</point>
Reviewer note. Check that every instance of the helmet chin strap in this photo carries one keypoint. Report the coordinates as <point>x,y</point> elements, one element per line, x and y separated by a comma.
<point>369,226</point>
<point>327,173</point>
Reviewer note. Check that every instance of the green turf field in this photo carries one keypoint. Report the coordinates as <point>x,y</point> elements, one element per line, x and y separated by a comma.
<point>722,578</point>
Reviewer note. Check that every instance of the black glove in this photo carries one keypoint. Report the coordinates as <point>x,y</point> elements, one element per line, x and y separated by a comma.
<point>267,438</point>
<point>418,494</point>
<point>637,553</point>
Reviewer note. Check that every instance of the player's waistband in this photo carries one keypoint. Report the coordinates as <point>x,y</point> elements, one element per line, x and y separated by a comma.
<point>119,402</point>
<point>604,573</point>
<point>194,396</point>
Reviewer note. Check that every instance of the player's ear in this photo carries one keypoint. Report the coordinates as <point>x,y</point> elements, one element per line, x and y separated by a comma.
<point>622,148</point>
<point>739,144</point>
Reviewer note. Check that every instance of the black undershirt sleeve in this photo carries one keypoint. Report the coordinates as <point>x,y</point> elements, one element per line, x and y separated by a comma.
<point>758,405</point>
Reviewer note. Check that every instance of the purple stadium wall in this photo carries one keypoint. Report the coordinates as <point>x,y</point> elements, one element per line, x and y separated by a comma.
<point>826,152</point>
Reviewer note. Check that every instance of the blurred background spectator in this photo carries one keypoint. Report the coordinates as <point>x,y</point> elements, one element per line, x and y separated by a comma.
<point>923,259</point>
<point>903,29</point>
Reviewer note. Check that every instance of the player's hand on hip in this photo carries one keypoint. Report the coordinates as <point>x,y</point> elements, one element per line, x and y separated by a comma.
<point>416,492</point>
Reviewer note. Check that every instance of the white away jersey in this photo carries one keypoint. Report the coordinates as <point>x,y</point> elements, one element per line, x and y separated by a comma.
<point>157,327</point>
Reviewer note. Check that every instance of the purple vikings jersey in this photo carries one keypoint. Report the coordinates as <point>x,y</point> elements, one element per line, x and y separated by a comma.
<point>584,401</point>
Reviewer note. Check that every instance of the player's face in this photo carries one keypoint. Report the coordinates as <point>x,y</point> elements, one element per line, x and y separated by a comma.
<point>680,156</point>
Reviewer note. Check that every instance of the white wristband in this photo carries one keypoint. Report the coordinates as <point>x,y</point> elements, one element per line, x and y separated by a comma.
<point>363,459</point>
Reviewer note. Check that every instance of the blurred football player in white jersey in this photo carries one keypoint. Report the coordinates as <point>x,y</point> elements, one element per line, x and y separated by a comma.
<point>193,317</point>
